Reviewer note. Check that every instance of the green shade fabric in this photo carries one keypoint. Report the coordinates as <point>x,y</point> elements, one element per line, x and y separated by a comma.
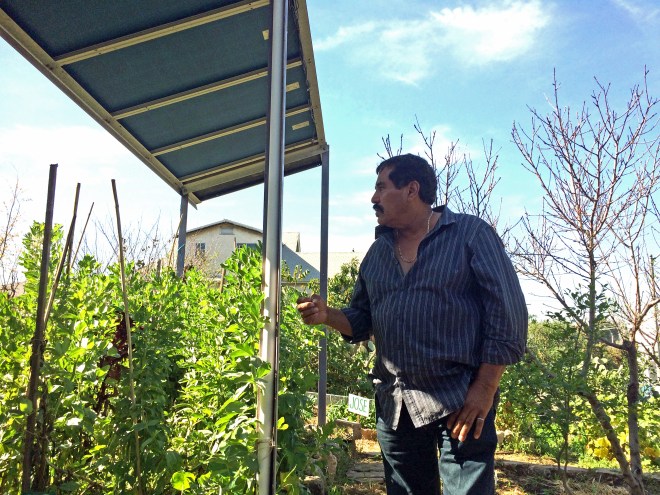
<point>182,84</point>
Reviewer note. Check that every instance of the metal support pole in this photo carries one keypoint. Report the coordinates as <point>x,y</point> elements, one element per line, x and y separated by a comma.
<point>323,343</point>
<point>183,228</point>
<point>272,250</point>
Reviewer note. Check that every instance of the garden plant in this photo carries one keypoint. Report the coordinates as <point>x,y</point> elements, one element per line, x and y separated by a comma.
<point>196,373</point>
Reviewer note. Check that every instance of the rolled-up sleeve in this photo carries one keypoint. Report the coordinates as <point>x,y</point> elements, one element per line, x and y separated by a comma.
<point>505,318</point>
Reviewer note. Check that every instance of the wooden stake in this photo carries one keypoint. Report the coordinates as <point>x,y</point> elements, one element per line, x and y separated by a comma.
<point>38,339</point>
<point>65,251</point>
<point>82,234</point>
<point>128,341</point>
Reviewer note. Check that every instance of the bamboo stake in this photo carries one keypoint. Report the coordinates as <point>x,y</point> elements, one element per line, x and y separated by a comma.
<point>39,462</point>
<point>72,231</point>
<point>38,339</point>
<point>128,340</point>
<point>60,266</point>
<point>82,234</point>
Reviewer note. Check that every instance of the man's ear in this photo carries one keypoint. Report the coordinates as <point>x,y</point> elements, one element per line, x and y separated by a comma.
<point>413,189</point>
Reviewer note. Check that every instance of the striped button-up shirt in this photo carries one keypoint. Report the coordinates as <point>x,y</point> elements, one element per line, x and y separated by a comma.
<point>459,305</point>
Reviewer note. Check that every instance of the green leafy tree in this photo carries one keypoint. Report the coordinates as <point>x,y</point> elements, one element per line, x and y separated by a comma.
<point>537,403</point>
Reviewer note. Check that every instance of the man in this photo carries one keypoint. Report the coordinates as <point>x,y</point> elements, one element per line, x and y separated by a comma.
<point>442,300</point>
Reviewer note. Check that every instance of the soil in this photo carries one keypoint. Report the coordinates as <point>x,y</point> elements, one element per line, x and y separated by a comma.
<point>516,475</point>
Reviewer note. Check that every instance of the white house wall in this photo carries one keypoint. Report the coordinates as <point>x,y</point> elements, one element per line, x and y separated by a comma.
<point>220,242</point>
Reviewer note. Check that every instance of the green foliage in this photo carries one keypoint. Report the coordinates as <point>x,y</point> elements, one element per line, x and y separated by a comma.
<point>30,257</point>
<point>340,411</point>
<point>538,396</point>
<point>14,408</point>
<point>542,402</point>
<point>340,287</point>
<point>348,364</point>
<point>196,374</point>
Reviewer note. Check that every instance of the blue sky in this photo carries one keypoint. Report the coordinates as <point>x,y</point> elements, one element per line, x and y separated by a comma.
<point>466,69</point>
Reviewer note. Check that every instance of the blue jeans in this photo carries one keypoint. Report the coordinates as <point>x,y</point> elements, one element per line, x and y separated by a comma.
<point>410,457</point>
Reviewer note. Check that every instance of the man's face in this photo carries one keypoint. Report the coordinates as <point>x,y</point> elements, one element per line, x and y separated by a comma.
<point>388,201</point>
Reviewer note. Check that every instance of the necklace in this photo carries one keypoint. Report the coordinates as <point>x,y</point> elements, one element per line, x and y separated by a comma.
<point>398,244</point>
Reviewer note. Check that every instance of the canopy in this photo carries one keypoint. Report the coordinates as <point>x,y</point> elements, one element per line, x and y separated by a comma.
<point>182,84</point>
<point>185,85</point>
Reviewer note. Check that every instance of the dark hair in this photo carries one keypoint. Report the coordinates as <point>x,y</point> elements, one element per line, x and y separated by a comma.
<point>407,168</point>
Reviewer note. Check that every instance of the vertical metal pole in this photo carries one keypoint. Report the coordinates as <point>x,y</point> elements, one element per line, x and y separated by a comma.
<point>183,228</point>
<point>323,343</point>
<point>38,339</point>
<point>272,250</point>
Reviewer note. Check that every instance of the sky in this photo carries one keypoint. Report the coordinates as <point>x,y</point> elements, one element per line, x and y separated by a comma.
<point>466,70</point>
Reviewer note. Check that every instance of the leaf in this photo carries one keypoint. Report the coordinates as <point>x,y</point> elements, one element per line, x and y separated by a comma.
<point>233,328</point>
<point>241,352</point>
<point>281,425</point>
<point>172,459</point>
<point>181,480</point>
<point>61,347</point>
<point>26,406</point>
<point>69,486</point>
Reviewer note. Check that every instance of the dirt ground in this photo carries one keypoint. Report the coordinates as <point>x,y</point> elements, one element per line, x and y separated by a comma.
<point>516,475</point>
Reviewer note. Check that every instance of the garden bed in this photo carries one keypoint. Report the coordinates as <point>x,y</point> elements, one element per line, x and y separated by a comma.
<point>517,474</point>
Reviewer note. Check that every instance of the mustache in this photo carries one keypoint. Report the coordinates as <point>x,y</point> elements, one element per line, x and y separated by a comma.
<point>378,208</point>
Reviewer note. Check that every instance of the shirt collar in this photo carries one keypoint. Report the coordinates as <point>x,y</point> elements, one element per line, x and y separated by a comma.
<point>448,217</point>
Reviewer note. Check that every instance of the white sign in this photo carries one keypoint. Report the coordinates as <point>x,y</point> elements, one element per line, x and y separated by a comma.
<point>358,405</point>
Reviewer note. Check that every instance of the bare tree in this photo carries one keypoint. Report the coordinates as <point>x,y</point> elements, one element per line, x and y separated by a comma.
<point>477,198</point>
<point>460,181</point>
<point>599,172</point>
<point>9,242</point>
<point>143,246</point>
<point>447,172</point>
<point>389,152</point>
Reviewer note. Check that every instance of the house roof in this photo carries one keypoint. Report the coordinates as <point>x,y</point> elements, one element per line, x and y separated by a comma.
<point>335,260</point>
<point>311,262</point>
<point>293,260</point>
<point>291,239</point>
<point>182,84</point>
<point>225,222</point>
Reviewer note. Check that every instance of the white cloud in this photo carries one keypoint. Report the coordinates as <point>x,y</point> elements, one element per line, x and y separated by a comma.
<point>79,149</point>
<point>344,34</point>
<point>365,165</point>
<point>492,34</point>
<point>411,50</point>
<point>355,200</point>
<point>85,155</point>
<point>641,11</point>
